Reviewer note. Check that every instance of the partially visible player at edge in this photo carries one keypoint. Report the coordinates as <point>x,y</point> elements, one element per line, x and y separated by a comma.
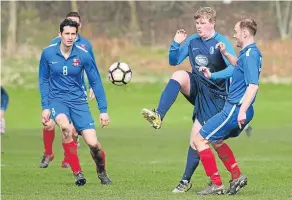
<point>4,105</point>
<point>208,95</point>
<point>49,133</point>
<point>64,101</point>
<point>237,112</point>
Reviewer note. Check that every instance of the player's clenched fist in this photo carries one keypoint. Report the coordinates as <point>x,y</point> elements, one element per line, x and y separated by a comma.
<point>222,48</point>
<point>180,36</point>
<point>104,119</point>
<point>205,71</point>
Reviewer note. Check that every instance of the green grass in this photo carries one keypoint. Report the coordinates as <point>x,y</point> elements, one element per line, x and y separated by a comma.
<point>145,163</point>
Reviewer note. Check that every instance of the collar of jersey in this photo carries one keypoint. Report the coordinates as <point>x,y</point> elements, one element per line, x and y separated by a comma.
<point>247,47</point>
<point>72,54</point>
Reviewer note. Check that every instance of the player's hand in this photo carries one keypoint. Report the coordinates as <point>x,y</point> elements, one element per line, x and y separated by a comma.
<point>104,119</point>
<point>205,71</point>
<point>91,94</point>
<point>222,48</point>
<point>180,36</point>
<point>241,118</point>
<point>46,116</point>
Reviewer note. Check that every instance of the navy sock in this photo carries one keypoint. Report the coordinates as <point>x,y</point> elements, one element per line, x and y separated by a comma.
<point>168,97</point>
<point>193,161</point>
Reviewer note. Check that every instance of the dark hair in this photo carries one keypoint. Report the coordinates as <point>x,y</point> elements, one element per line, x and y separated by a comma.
<point>249,24</point>
<point>73,14</point>
<point>68,22</point>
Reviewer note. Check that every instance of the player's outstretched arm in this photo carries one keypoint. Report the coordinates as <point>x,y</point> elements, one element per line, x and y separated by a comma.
<point>178,51</point>
<point>44,74</point>
<point>232,59</point>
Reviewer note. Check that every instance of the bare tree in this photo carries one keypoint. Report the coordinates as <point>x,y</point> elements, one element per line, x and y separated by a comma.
<point>284,18</point>
<point>74,6</point>
<point>134,24</point>
<point>11,36</point>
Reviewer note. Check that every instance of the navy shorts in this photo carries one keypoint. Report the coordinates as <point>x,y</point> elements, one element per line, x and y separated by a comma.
<point>79,114</point>
<point>224,124</point>
<point>4,99</point>
<point>207,102</point>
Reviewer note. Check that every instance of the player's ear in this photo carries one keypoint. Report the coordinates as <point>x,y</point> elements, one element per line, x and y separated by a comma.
<point>60,34</point>
<point>80,24</point>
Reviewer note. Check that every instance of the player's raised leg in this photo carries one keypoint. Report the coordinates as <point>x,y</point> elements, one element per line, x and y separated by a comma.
<point>180,81</point>
<point>193,160</point>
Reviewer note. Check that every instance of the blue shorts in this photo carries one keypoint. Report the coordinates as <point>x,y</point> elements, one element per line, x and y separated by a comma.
<point>224,124</point>
<point>4,99</point>
<point>78,114</point>
<point>207,101</point>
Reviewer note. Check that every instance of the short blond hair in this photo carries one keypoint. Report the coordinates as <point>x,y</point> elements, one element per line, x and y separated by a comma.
<point>208,12</point>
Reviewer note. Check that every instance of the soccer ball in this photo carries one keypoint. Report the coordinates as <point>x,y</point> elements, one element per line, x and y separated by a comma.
<point>120,73</point>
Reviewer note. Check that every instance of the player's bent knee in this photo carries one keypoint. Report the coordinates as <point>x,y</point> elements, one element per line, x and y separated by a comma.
<point>180,76</point>
<point>218,144</point>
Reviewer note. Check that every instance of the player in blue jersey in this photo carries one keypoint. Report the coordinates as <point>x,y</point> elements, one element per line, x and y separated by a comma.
<point>236,114</point>
<point>4,105</point>
<point>207,95</point>
<point>65,102</point>
<point>49,132</point>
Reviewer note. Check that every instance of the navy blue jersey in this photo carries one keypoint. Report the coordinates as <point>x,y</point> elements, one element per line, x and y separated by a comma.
<point>203,53</point>
<point>246,72</point>
<point>61,79</point>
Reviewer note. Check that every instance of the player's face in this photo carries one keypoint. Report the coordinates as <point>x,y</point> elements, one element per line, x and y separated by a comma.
<point>238,36</point>
<point>68,36</point>
<point>76,19</point>
<point>204,27</point>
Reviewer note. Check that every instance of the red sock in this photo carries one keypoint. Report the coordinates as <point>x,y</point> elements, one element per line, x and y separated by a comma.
<point>209,163</point>
<point>48,137</point>
<point>71,153</point>
<point>65,160</point>
<point>103,156</point>
<point>228,159</point>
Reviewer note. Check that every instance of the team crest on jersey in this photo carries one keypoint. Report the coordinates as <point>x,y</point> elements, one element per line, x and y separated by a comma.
<point>83,46</point>
<point>201,60</point>
<point>211,50</point>
<point>76,62</point>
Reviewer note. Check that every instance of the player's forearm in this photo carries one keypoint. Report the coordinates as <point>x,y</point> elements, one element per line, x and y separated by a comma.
<point>100,97</point>
<point>174,53</point>
<point>249,96</point>
<point>223,74</point>
<point>232,59</point>
<point>44,90</point>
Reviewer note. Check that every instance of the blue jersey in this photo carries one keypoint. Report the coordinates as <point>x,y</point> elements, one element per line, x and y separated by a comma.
<point>82,42</point>
<point>246,72</point>
<point>203,53</point>
<point>61,79</point>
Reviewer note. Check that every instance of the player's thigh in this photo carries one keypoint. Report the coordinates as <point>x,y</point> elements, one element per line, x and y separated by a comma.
<point>183,78</point>
<point>191,92</point>
<point>219,126</point>
<point>236,131</point>
<point>81,118</point>
<point>60,113</point>
<point>195,130</point>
